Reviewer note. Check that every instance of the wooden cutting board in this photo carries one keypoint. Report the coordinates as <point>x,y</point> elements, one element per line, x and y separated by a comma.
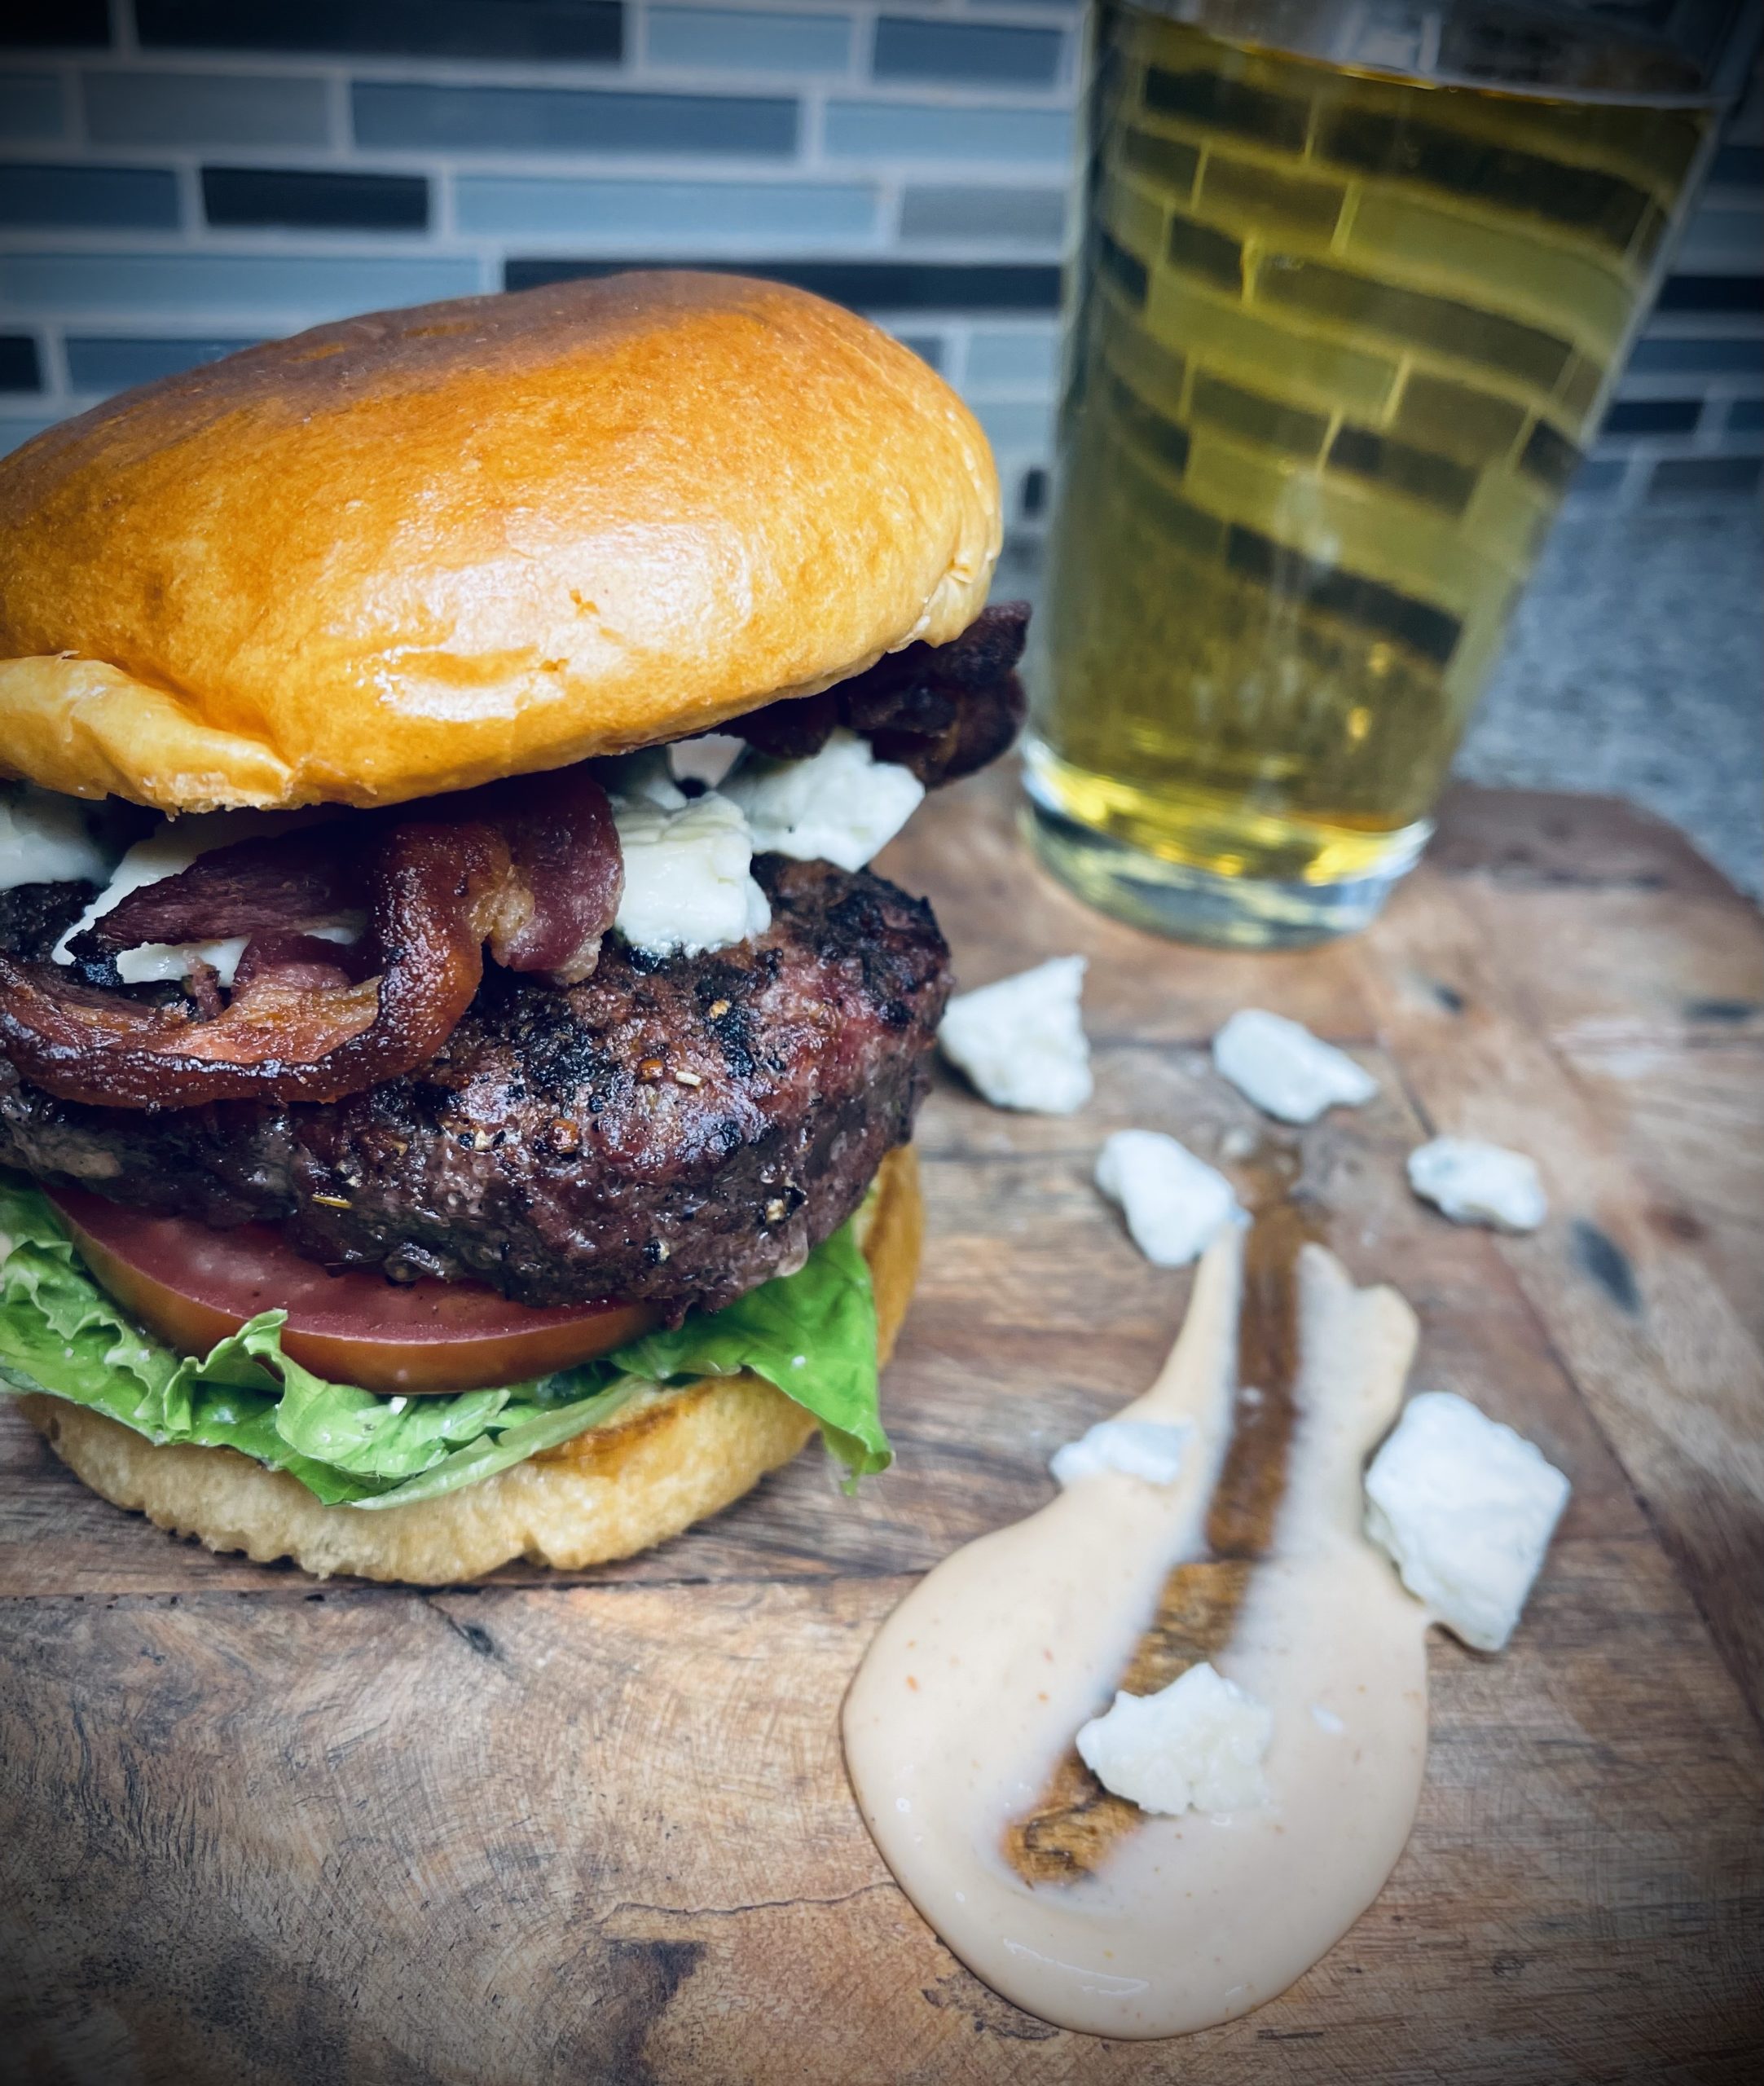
<point>257,1829</point>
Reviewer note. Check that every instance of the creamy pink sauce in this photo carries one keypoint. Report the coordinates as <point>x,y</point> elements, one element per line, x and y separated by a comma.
<point>976,1686</point>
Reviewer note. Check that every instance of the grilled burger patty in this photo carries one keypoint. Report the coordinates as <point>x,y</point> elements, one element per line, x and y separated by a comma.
<point>677,1130</point>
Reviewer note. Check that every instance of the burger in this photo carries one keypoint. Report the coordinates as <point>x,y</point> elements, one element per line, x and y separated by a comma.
<point>457,1065</point>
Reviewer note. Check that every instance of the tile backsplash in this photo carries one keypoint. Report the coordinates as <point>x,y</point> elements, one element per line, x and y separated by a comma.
<point>180,177</point>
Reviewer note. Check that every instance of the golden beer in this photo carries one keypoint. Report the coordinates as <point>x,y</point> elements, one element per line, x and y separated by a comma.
<point>1337,344</point>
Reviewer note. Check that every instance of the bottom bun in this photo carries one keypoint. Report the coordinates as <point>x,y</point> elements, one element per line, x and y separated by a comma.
<point>663,1464</point>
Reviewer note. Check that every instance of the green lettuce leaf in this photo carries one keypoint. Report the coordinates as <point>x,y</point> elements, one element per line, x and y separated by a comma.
<point>812,1334</point>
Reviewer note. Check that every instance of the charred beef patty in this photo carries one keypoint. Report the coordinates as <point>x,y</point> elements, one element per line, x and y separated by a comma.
<point>676,1130</point>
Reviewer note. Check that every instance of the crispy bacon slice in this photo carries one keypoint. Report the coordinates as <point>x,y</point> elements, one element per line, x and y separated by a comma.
<point>530,865</point>
<point>277,883</point>
<point>942,711</point>
<point>566,874</point>
<point>562,891</point>
<point>302,960</point>
<point>436,888</point>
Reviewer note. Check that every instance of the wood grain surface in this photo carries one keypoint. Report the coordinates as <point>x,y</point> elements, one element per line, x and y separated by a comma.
<point>255,1830</point>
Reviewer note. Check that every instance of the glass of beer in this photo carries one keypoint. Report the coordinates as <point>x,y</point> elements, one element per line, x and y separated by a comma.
<point>1355,283</point>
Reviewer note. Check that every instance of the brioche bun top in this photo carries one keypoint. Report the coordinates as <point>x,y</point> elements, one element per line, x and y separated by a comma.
<point>422,549</point>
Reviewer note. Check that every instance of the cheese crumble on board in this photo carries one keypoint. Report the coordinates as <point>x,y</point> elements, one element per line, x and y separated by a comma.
<point>1198,1744</point>
<point>1287,1072</point>
<point>1475,1183</point>
<point>1466,1508</point>
<point>1172,1202</point>
<point>1021,1041</point>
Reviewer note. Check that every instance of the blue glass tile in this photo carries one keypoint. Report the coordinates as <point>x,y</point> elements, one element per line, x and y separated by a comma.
<point>986,54</point>
<point>1025,358</point>
<point>1015,424</point>
<point>664,209</point>
<point>903,130</point>
<point>30,108</point>
<point>20,369</point>
<point>412,115</point>
<point>864,285</point>
<point>1702,478</point>
<point>1710,357</point>
<point>54,25</point>
<point>1746,416</point>
<point>314,201</point>
<point>1740,165</point>
<point>15,431</point>
<point>1598,479</point>
<point>592,29</point>
<point>1653,416</point>
<point>61,196</point>
<point>312,287</point>
<point>1712,294</point>
<point>1013,217</point>
<point>98,363</point>
<point>206,108</point>
<point>745,40</point>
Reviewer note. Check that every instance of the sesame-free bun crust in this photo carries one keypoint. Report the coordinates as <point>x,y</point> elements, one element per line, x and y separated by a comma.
<point>425,549</point>
<point>653,1470</point>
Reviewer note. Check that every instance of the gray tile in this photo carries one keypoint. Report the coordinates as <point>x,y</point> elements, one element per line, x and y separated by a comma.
<point>1704,477</point>
<point>204,108</point>
<point>414,116</point>
<point>894,287</point>
<point>1710,357</point>
<point>908,130</point>
<point>661,210</point>
<point>746,39</point>
<point>1010,216</point>
<point>928,347</point>
<point>1651,416</point>
<point>591,30</point>
<point>1016,424</point>
<point>56,24</point>
<point>1017,356</point>
<point>15,430</point>
<point>315,198</point>
<point>58,197</point>
<point>331,287</point>
<point>30,108</point>
<point>21,366</point>
<point>991,54</point>
<point>99,364</point>
<point>1720,235</point>
<point>1599,479</point>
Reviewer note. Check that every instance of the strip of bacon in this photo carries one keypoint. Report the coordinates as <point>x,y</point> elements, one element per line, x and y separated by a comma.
<point>435,891</point>
<point>560,894</point>
<point>277,883</point>
<point>302,960</point>
<point>566,876</point>
<point>943,710</point>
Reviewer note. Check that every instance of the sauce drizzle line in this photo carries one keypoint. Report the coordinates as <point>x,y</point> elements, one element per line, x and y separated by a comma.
<point>958,1722</point>
<point>1075,1822</point>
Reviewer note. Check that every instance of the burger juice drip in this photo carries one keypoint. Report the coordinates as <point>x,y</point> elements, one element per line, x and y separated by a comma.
<point>959,1727</point>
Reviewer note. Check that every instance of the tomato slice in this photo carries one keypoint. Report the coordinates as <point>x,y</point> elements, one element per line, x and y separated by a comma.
<point>193,1287</point>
